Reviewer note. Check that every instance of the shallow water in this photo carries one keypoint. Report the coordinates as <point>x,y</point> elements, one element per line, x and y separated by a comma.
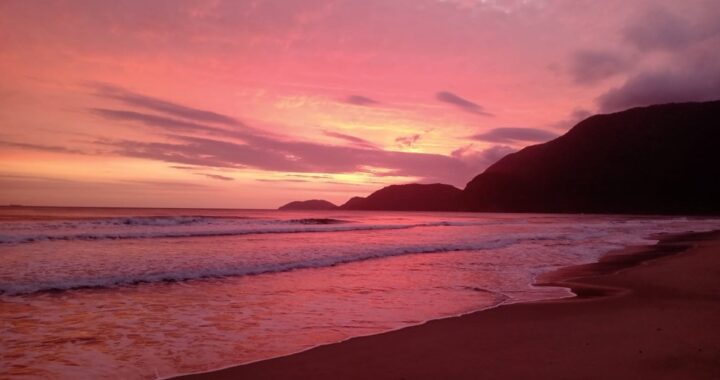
<point>143,293</point>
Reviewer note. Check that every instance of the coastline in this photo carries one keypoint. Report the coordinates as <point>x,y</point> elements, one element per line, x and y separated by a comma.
<point>625,322</point>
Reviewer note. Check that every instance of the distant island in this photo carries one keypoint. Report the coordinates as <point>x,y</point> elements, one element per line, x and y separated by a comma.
<point>659,159</point>
<point>313,204</point>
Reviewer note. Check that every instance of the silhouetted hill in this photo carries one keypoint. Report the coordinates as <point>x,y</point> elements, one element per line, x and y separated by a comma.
<point>657,159</point>
<point>414,197</point>
<point>313,204</point>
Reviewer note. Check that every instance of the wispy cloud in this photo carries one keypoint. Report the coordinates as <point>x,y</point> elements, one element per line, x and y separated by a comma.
<point>408,141</point>
<point>151,103</point>
<point>155,120</point>
<point>39,147</point>
<point>359,100</point>
<point>461,103</point>
<point>216,176</point>
<point>511,135</point>
<point>352,139</point>
<point>203,145</point>
<point>283,180</point>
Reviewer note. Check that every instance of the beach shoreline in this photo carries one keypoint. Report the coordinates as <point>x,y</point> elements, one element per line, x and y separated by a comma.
<point>475,344</point>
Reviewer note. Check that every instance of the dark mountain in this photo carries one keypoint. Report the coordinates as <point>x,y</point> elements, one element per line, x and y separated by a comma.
<point>414,197</point>
<point>658,159</point>
<point>313,204</point>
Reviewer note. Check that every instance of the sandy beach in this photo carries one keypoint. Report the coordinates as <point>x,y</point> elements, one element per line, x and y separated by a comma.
<point>643,313</point>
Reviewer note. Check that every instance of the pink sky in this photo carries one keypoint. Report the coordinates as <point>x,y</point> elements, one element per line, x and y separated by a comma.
<point>251,104</point>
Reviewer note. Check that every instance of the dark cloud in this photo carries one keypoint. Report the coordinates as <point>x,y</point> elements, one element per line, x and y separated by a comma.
<point>181,126</point>
<point>463,104</point>
<point>692,84</point>
<point>689,71</point>
<point>164,106</point>
<point>38,147</point>
<point>283,180</point>
<point>156,121</point>
<point>352,139</point>
<point>659,29</point>
<point>205,152</point>
<point>359,100</point>
<point>216,176</point>
<point>592,66</point>
<point>408,141</point>
<point>511,135</point>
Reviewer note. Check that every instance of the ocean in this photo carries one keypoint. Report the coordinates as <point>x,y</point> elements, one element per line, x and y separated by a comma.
<point>151,293</point>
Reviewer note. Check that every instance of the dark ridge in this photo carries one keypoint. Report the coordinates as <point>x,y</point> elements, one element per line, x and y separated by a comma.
<point>413,197</point>
<point>660,159</point>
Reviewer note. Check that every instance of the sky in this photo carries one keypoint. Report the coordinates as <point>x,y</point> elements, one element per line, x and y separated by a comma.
<point>252,104</point>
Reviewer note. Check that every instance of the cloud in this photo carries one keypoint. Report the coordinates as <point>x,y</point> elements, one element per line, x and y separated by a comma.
<point>154,120</point>
<point>300,157</point>
<point>577,115</point>
<point>408,141</point>
<point>659,29</point>
<point>511,135</point>
<point>479,160</point>
<point>359,100</point>
<point>463,104</point>
<point>288,156</point>
<point>174,109</point>
<point>312,176</point>
<point>283,180</point>
<point>290,180</point>
<point>216,176</point>
<point>176,125</point>
<point>352,139</point>
<point>680,85</point>
<point>202,145</point>
<point>681,51</point>
<point>592,66</point>
<point>38,147</point>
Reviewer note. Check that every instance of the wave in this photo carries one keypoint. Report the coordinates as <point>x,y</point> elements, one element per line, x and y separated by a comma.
<point>318,221</point>
<point>180,220</point>
<point>256,227</point>
<point>112,281</point>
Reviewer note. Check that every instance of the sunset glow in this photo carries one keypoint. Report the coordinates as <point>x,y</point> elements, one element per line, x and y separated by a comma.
<point>251,104</point>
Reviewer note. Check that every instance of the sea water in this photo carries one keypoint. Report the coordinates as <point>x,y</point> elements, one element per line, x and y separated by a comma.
<point>150,293</point>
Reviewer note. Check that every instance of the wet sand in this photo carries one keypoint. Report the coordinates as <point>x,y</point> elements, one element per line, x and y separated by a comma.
<point>643,313</point>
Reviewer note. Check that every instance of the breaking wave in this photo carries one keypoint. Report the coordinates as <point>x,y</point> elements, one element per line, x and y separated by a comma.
<point>110,281</point>
<point>188,226</point>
